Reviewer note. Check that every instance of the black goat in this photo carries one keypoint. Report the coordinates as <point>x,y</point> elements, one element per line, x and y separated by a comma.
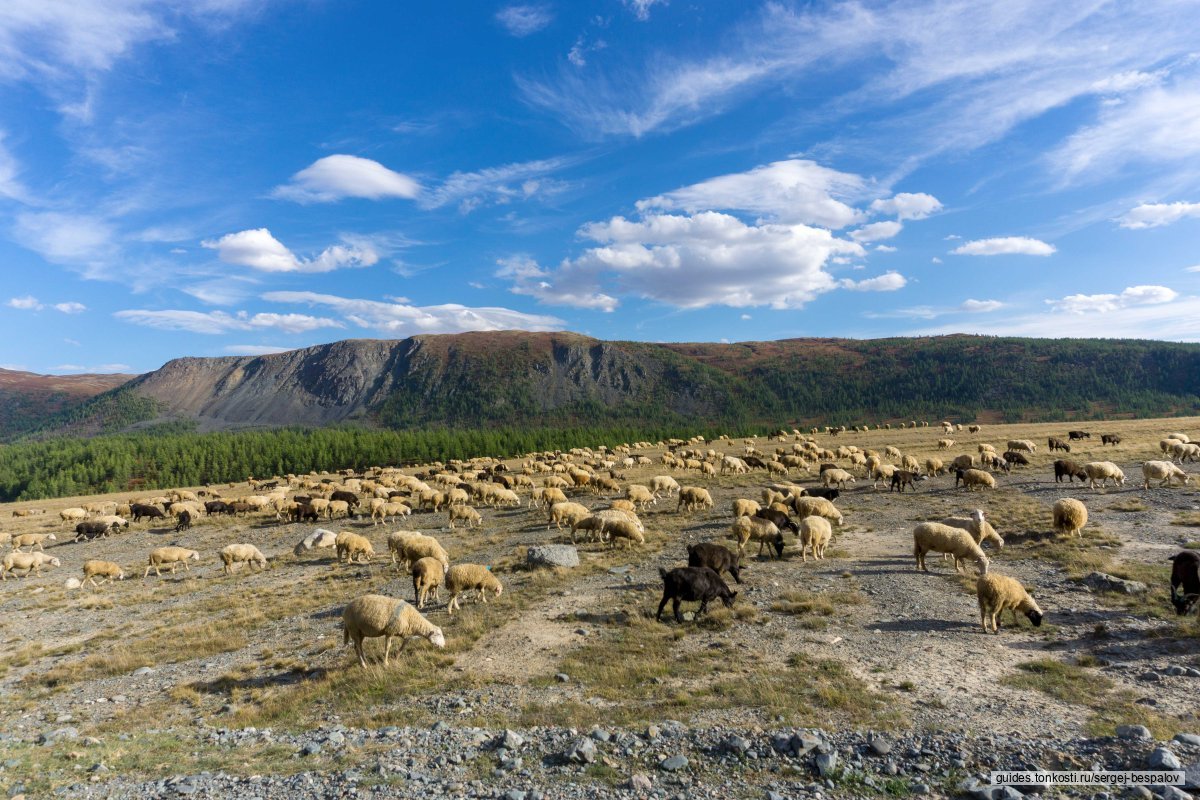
<point>717,558</point>
<point>1185,575</point>
<point>692,584</point>
<point>1070,469</point>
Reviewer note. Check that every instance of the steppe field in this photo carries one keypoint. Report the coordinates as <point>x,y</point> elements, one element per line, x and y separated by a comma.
<point>248,677</point>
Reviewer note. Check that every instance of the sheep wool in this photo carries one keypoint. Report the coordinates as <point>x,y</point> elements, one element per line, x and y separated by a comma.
<point>815,534</point>
<point>463,578</point>
<point>934,537</point>
<point>374,615</point>
<point>160,556</point>
<point>237,553</point>
<point>996,593</point>
<point>108,570</point>
<point>30,562</point>
<point>427,577</point>
<point>1070,515</point>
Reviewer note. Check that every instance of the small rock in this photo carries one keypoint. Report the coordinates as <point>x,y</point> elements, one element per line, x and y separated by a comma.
<point>582,751</point>
<point>736,744</point>
<point>774,796</point>
<point>337,737</point>
<point>1150,676</point>
<point>826,764</point>
<point>310,749</point>
<point>1103,582</point>
<point>1133,732</point>
<point>514,794</point>
<point>640,783</point>
<point>1173,793</point>
<point>140,671</point>
<point>921,789</point>
<point>1164,759</point>
<point>1188,738</point>
<point>653,732</point>
<point>562,677</point>
<point>552,555</point>
<point>511,740</point>
<point>600,735</point>
<point>73,583</point>
<point>673,764</point>
<point>880,747</point>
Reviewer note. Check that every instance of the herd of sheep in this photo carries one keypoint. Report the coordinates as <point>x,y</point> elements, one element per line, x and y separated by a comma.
<point>565,489</point>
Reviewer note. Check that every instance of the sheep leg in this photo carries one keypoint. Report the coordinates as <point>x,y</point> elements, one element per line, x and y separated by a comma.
<point>675,601</point>
<point>662,605</point>
<point>387,648</point>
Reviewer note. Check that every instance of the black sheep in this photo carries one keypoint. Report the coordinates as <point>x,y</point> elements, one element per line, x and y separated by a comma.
<point>692,584</point>
<point>1185,575</point>
<point>717,558</point>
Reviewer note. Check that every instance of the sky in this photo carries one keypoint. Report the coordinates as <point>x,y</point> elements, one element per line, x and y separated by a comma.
<point>242,177</point>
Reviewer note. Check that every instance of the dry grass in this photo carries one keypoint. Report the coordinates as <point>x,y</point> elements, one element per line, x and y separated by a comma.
<point>1190,519</point>
<point>1129,504</point>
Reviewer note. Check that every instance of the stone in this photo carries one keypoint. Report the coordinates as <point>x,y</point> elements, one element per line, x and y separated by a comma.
<point>640,783</point>
<point>140,671</point>
<point>1174,793</point>
<point>1151,676</point>
<point>1133,732</point>
<point>600,735</point>
<point>562,677</point>
<point>803,743</point>
<point>337,737</point>
<point>921,789</point>
<point>826,764</point>
<point>1163,759</point>
<point>1103,582</point>
<point>880,747</point>
<point>310,749</point>
<point>514,794</point>
<point>736,744</point>
<point>673,763</point>
<point>73,583</point>
<point>1188,738</point>
<point>582,751</point>
<point>511,740</point>
<point>552,555</point>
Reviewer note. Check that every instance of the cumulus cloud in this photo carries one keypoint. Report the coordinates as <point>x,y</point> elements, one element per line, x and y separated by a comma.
<point>907,205</point>
<point>340,176</point>
<point>218,322</point>
<point>531,280</point>
<point>887,282</point>
<point>1004,245</point>
<point>981,306</point>
<point>26,303</point>
<point>70,307</point>
<point>884,248</point>
<point>795,190</point>
<point>1153,215</point>
<point>404,319</point>
<point>876,230</point>
<point>258,249</point>
<point>523,20</point>
<point>1100,303</point>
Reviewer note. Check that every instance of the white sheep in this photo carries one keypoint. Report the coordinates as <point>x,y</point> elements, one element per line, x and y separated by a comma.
<point>694,497</point>
<point>1018,445</point>
<point>934,537</point>
<point>756,529</point>
<point>317,539</point>
<point>161,556</point>
<point>463,578</point>
<point>977,477</point>
<point>745,508</point>
<point>427,576</point>
<point>1164,472</point>
<point>472,517</point>
<point>411,546</point>
<point>1070,515</point>
<point>640,495</point>
<point>30,562</point>
<point>816,507</point>
<point>1102,471</point>
<point>374,615</point>
<point>568,512</point>
<point>625,529</point>
<point>945,444</point>
<point>33,540</point>
<point>237,553</point>
<point>383,511</point>
<point>977,525</point>
<point>108,570</point>
<point>838,477</point>
<point>69,515</point>
<point>999,592</point>
<point>815,533</point>
<point>664,483</point>
<point>353,547</point>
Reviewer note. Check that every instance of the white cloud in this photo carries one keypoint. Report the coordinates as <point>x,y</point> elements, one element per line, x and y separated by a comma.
<point>401,318</point>
<point>933,312</point>
<point>224,291</point>
<point>523,20</point>
<point>340,176</point>
<point>935,260</point>
<point>1099,303</point>
<point>981,306</point>
<point>907,205</point>
<point>70,307</point>
<point>65,238</point>
<point>641,8</point>
<point>26,303</point>
<point>531,280</point>
<point>259,250</point>
<point>579,51</point>
<point>875,231</point>
<point>884,248</point>
<point>746,316</point>
<point>255,349</point>
<point>92,370</point>
<point>10,186</point>
<point>1128,81</point>
<point>1153,215</point>
<point>498,185</point>
<point>887,282</point>
<point>1193,269</point>
<point>1004,245</point>
<point>795,190</point>
<point>217,322</point>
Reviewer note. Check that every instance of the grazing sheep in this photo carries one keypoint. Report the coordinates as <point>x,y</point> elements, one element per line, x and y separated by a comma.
<point>427,576</point>
<point>236,553</point>
<point>694,497</point>
<point>317,539</point>
<point>1015,458</point>
<point>902,478</point>
<point>383,511</point>
<point>828,493</point>
<point>984,447</point>
<point>477,578</point>
<point>934,537</point>
<point>352,547</point>
<point>472,517</point>
<point>1070,515</point>
<point>34,540</point>
<point>996,593</point>
<point>1164,472</point>
<point>30,562</point>
<point>692,584</point>
<point>945,444</point>
<point>883,472</point>
<point>817,507</point>
<point>1058,444</point>
<point>934,466</point>
<point>625,529</point>
<point>973,428</point>
<point>411,546</point>
<point>977,525</point>
<point>1023,445</point>
<point>745,508</point>
<point>839,477</point>
<point>1185,581</point>
<point>374,615</point>
<point>815,533</point>
<point>1182,437</point>
<point>570,513</point>
<point>965,461</point>
<point>1070,469</point>
<point>1110,438</point>
<point>108,570</point>
<point>91,529</point>
<point>640,495</point>
<point>892,452</point>
<point>910,463</point>
<point>717,558</point>
<point>664,483</point>
<point>756,529</point>
<point>161,556</point>
<point>68,515</point>
<point>974,477</point>
<point>1102,471</point>
<point>780,517</point>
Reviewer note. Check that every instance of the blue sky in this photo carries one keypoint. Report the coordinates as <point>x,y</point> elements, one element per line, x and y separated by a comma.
<point>227,177</point>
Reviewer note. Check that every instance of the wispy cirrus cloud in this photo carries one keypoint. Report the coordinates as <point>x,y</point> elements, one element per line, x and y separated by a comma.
<point>498,185</point>
<point>1005,246</point>
<point>641,8</point>
<point>933,312</point>
<point>255,349</point>
<point>337,177</point>
<point>524,19</point>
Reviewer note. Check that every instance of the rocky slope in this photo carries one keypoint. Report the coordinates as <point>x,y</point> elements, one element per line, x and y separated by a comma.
<point>26,398</point>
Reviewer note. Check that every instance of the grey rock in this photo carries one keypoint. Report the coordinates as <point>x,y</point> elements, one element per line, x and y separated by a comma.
<point>552,555</point>
<point>673,764</point>
<point>511,740</point>
<point>582,751</point>
<point>1133,732</point>
<point>600,735</point>
<point>826,764</point>
<point>1164,759</point>
<point>803,743</point>
<point>775,796</point>
<point>1174,793</point>
<point>880,746</point>
<point>921,789</point>
<point>1138,793</point>
<point>310,749</point>
<point>514,794</point>
<point>562,677</point>
<point>140,671</point>
<point>1192,672</point>
<point>736,744</point>
<point>1150,676</point>
<point>1103,582</point>
<point>337,737</point>
<point>640,783</point>
<point>1188,738</point>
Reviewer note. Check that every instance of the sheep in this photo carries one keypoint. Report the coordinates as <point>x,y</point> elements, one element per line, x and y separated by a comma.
<point>1102,471</point>
<point>1185,581</point>
<point>692,584</point>
<point>780,517</point>
<point>815,532</point>
<point>374,615</point>
<point>1022,444</point>
<point>747,529</point>
<point>817,507</point>
<point>68,515</point>
<point>974,477</point>
<point>234,553</point>
<point>30,562</point>
<point>1015,458</point>
<point>836,476</point>
<point>694,497</point>
<point>381,512</point>
<point>977,525</point>
<point>317,539</point>
<point>1183,437</point>
<point>473,518</point>
<point>353,546</point>
<point>106,569</point>
<point>1164,472</point>
<point>902,478</point>
<point>1058,444</point>
<point>883,472</point>
<point>745,508</point>
<point>965,461</point>
<point>570,513</point>
<point>1070,469</point>
<point>984,447</point>
<point>934,466</point>
<point>717,558</point>
<point>996,593</point>
<point>640,495</point>
<point>625,529</point>
<point>910,464</point>
<point>934,537</point>
<point>1110,438</point>
<point>411,546</point>
<point>462,578</point>
<point>427,576</point>
<point>892,452</point>
<point>34,540</point>
<point>945,444</point>
<point>1070,515</point>
<point>973,428</point>
<point>828,493</point>
<point>664,483</point>
<point>90,529</point>
<point>172,555</point>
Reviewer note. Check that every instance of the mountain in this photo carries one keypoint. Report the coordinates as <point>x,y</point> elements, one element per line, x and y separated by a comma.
<point>26,398</point>
<point>566,379</point>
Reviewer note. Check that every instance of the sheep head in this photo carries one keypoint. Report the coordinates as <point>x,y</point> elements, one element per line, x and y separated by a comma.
<point>1035,617</point>
<point>436,638</point>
